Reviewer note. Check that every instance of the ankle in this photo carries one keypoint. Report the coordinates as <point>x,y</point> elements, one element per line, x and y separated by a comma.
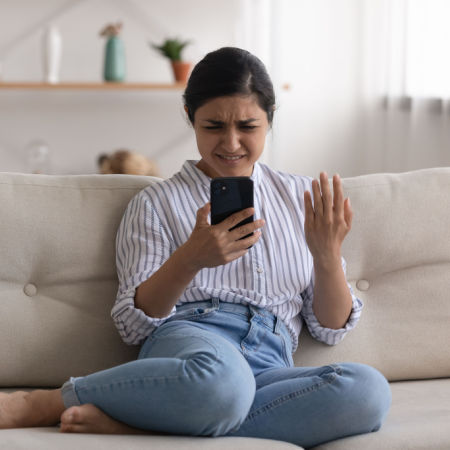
<point>46,406</point>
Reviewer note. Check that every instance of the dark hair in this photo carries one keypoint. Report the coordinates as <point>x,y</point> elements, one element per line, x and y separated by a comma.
<point>229,71</point>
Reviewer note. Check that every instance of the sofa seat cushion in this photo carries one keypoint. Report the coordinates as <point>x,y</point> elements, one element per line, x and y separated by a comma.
<point>418,419</point>
<point>52,439</point>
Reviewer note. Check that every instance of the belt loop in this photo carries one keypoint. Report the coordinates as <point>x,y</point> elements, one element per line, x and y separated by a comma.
<point>253,311</point>
<point>215,303</point>
<point>277,325</point>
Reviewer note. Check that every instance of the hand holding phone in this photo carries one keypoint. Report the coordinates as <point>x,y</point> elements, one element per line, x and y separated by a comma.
<point>230,195</point>
<point>220,242</point>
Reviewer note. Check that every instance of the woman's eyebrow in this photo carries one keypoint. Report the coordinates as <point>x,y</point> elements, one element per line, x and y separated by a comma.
<point>240,122</point>
<point>246,122</point>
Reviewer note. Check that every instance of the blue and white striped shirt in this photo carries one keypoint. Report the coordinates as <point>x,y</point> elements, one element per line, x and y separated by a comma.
<point>276,273</point>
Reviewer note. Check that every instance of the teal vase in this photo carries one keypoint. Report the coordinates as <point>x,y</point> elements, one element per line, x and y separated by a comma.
<point>114,69</point>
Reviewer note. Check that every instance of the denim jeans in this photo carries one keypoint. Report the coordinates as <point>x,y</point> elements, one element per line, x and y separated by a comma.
<point>216,369</point>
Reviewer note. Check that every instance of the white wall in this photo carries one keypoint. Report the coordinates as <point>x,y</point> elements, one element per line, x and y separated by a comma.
<point>324,49</point>
<point>317,124</point>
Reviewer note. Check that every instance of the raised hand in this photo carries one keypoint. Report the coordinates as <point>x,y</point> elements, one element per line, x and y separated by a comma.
<point>328,222</point>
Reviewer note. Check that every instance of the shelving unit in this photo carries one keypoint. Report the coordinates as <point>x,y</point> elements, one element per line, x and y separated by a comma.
<point>91,86</point>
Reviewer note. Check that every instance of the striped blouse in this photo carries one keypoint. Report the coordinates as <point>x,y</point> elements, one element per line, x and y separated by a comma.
<point>276,273</point>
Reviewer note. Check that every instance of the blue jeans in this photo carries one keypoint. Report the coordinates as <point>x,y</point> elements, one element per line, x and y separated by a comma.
<point>219,369</point>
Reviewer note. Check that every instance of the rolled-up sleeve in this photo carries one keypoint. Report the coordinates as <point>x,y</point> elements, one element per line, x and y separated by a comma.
<point>142,246</point>
<point>328,336</point>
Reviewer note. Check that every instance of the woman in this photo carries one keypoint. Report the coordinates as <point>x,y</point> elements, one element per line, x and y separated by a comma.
<point>218,317</point>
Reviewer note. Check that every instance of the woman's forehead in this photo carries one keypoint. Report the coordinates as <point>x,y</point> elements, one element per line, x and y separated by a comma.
<point>231,107</point>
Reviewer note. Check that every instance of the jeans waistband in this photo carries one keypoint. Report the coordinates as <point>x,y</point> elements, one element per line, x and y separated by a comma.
<point>249,311</point>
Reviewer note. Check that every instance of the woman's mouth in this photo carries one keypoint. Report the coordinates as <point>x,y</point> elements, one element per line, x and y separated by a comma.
<point>231,158</point>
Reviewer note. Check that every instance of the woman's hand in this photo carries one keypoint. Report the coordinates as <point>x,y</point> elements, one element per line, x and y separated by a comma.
<point>327,224</point>
<point>214,245</point>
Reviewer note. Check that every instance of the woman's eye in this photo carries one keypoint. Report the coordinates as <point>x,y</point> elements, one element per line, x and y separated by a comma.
<point>218,127</point>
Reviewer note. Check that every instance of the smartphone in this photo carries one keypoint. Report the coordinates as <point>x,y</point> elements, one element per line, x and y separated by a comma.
<point>230,195</point>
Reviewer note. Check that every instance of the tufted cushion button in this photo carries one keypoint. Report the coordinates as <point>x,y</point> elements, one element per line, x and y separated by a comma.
<point>362,285</point>
<point>30,289</point>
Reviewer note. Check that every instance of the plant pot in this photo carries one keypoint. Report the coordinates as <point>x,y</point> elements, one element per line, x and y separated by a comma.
<point>181,71</point>
<point>114,69</point>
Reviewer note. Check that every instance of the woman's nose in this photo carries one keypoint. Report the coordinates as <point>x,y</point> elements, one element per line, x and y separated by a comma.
<point>231,141</point>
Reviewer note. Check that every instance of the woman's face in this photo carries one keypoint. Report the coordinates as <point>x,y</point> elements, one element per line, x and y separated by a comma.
<point>231,133</point>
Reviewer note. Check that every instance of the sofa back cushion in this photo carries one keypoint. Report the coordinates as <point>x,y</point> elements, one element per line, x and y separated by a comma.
<point>58,279</point>
<point>57,275</point>
<point>398,256</point>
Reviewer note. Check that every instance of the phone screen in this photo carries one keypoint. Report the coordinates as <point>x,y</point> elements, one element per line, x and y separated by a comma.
<point>230,195</point>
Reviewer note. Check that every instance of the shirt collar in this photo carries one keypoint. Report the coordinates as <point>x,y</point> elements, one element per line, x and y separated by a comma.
<point>191,172</point>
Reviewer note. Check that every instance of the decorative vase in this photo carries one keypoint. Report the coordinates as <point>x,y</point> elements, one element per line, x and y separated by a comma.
<point>51,54</point>
<point>181,70</point>
<point>37,157</point>
<point>114,69</point>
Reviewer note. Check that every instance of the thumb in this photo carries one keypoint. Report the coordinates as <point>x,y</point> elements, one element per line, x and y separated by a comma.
<point>202,215</point>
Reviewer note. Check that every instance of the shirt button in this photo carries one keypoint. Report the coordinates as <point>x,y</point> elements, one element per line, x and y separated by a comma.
<point>362,285</point>
<point>259,269</point>
<point>30,290</point>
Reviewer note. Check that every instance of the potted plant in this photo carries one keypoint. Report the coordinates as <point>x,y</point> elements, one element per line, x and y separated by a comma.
<point>172,49</point>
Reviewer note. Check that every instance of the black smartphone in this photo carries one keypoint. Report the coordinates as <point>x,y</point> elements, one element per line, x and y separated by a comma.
<point>230,195</point>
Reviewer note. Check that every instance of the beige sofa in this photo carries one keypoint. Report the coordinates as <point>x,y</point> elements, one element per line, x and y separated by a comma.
<point>58,283</point>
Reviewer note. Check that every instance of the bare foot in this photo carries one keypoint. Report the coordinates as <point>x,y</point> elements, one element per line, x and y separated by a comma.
<point>30,409</point>
<point>90,419</point>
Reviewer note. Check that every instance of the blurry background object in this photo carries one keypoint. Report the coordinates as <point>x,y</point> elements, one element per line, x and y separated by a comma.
<point>37,157</point>
<point>114,63</point>
<point>51,54</point>
<point>172,49</point>
<point>127,162</point>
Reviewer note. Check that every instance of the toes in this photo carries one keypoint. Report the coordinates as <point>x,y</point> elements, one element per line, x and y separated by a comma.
<point>71,416</point>
<point>71,428</point>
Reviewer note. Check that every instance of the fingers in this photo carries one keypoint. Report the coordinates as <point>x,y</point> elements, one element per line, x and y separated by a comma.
<point>326,203</point>
<point>235,218</point>
<point>338,201</point>
<point>241,246</point>
<point>309,210</point>
<point>348,213</point>
<point>244,230</point>
<point>318,207</point>
<point>327,200</point>
<point>202,215</point>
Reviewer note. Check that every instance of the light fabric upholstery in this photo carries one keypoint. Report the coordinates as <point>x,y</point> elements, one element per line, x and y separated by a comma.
<point>57,238</point>
<point>51,438</point>
<point>58,284</point>
<point>419,419</point>
<point>399,251</point>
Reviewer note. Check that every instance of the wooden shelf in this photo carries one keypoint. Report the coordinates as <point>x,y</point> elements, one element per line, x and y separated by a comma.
<point>92,86</point>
